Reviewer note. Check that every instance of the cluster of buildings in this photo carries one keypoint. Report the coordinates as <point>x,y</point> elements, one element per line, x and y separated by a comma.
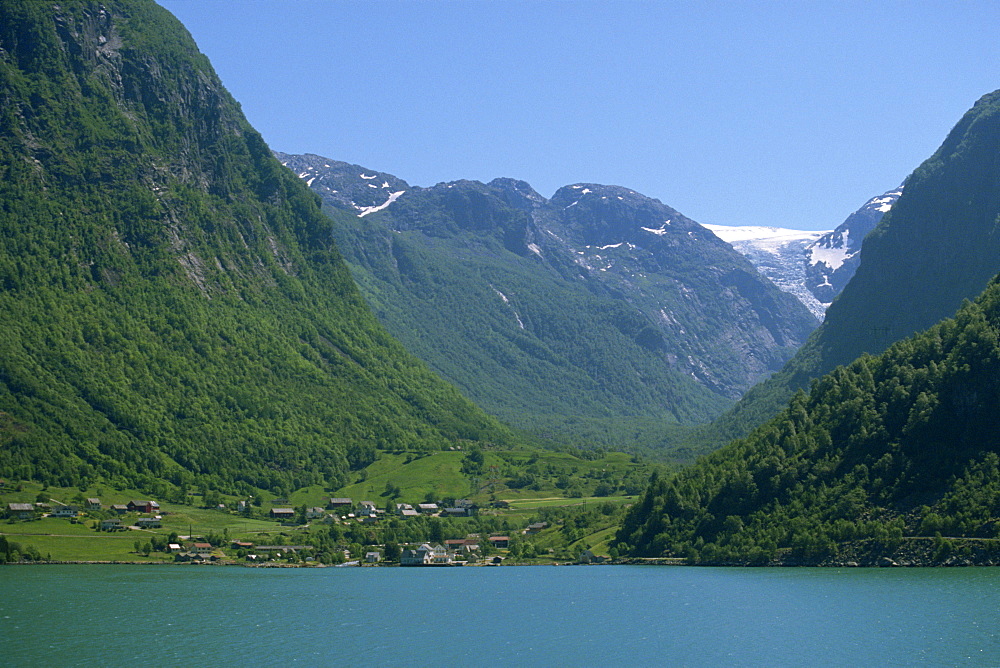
<point>454,552</point>
<point>30,511</point>
<point>368,511</point>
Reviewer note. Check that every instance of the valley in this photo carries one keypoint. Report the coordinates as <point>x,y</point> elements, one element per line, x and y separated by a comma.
<point>218,353</point>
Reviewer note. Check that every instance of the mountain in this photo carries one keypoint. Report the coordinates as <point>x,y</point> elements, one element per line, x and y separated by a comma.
<point>813,266</point>
<point>833,259</point>
<point>780,254</point>
<point>939,244</point>
<point>598,314</point>
<point>887,460</point>
<point>176,314</point>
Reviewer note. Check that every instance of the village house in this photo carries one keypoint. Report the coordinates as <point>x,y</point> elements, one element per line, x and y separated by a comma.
<point>462,547</point>
<point>315,512</point>
<point>406,510</point>
<point>283,513</point>
<point>22,511</point>
<point>373,557</point>
<point>242,545</point>
<point>202,548</point>
<point>500,542</point>
<point>143,506</point>
<point>148,523</point>
<point>455,512</point>
<point>93,504</point>
<point>119,508</point>
<point>425,555</point>
<point>64,511</point>
<point>284,549</point>
<point>173,548</point>
<point>340,502</point>
<point>427,508</point>
<point>588,557</point>
<point>536,527</point>
<point>112,524</point>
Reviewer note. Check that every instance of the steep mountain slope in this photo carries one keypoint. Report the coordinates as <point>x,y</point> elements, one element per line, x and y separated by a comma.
<point>813,266</point>
<point>780,254</point>
<point>938,245</point>
<point>174,306</point>
<point>882,459</point>
<point>574,317</point>
<point>833,259</point>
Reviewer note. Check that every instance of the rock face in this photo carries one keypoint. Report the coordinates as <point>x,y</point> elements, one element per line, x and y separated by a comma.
<point>599,302</point>
<point>780,254</point>
<point>831,260</point>
<point>343,185</point>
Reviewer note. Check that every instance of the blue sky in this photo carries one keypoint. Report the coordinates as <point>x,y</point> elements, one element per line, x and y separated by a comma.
<point>734,113</point>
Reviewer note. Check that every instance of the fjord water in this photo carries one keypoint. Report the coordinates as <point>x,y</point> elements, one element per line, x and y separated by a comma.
<point>544,616</point>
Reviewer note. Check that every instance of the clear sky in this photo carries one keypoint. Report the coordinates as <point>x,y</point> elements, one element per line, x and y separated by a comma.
<point>735,113</point>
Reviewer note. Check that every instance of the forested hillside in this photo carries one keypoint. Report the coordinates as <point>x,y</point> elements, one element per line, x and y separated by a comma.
<point>888,457</point>
<point>937,246</point>
<point>175,311</point>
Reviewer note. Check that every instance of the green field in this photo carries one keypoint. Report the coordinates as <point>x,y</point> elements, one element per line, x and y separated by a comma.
<point>549,502</point>
<point>437,473</point>
<point>537,485</point>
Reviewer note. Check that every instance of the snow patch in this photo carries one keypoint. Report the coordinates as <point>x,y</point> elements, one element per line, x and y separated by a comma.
<point>364,176</point>
<point>507,301</point>
<point>758,233</point>
<point>535,249</point>
<point>660,232</point>
<point>611,246</point>
<point>831,257</point>
<point>365,210</point>
<point>310,181</point>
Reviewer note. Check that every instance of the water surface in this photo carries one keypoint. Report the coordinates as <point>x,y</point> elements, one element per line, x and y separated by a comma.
<point>537,616</point>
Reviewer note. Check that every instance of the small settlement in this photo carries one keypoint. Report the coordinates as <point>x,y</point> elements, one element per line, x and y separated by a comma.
<point>146,515</point>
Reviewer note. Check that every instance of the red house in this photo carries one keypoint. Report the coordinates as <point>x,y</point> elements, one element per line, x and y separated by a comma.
<point>143,506</point>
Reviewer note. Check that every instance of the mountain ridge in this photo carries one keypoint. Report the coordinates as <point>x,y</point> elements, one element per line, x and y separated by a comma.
<point>545,272</point>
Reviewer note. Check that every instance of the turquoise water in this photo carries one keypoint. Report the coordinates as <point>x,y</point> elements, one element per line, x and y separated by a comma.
<point>537,616</point>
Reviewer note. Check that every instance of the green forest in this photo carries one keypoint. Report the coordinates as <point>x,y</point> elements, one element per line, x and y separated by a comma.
<point>176,312</point>
<point>882,452</point>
